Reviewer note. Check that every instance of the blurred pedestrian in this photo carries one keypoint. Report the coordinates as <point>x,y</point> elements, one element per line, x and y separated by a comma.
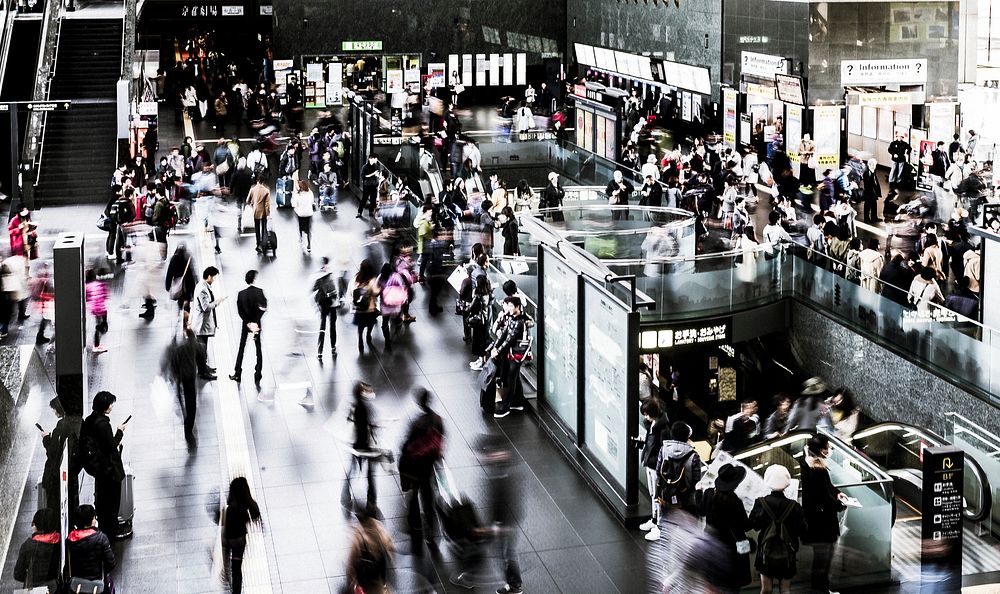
<point>241,510</point>
<point>96,292</point>
<point>370,555</point>
<point>422,449</point>
<point>726,519</point>
<point>779,523</point>
<point>821,504</point>
<point>184,359</point>
<point>102,459</point>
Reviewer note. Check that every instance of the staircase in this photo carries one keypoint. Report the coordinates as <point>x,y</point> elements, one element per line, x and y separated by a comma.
<point>80,148</point>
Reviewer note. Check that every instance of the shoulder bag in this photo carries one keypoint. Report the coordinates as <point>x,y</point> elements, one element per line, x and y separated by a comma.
<point>177,286</point>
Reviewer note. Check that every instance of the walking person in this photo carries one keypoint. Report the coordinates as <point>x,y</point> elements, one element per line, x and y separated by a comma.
<point>97,302</point>
<point>180,281</point>
<point>370,178</point>
<point>779,523</point>
<point>370,555</point>
<point>241,510</point>
<point>726,519</point>
<point>184,359</point>
<point>364,298</point>
<point>821,504</point>
<point>251,304</point>
<point>327,297</point>
<point>259,199</point>
<point>304,205</point>
<point>393,295</point>
<point>872,191</point>
<point>363,450</point>
<point>505,507</point>
<point>204,320</point>
<point>422,449</point>
<point>102,459</point>
<point>44,295</point>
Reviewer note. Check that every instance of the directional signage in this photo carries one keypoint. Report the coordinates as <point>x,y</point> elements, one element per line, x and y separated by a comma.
<point>4,107</point>
<point>941,524</point>
<point>48,105</point>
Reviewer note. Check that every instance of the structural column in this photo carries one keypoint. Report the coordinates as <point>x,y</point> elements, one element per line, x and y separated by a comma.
<point>71,323</point>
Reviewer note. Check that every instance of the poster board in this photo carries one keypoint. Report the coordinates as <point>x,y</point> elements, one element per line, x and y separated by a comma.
<point>467,70</point>
<point>826,133</point>
<point>559,338</point>
<point>729,117</point>
<point>793,135</point>
<point>522,69</point>
<point>854,120</point>
<point>494,70</point>
<point>480,70</point>
<point>436,77</point>
<point>508,69</point>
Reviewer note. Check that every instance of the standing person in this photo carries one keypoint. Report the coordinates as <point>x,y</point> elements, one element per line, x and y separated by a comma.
<point>393,295</point>
<point>241,182</point>
<point>97,302</point>
<point>651,193</point>
<point>726,519</point>
<point>102,459</point>
<point>618,192</point>
<point>184,360</point>
<point>939,163</point>
<point>509,230</point>
<point>250,305</point>
<point>63,435</point>
<point>524,120</point>
<point>37,562</point>
<point>509,350</point>
<point>204,320</point>
<point>899,151</point>
<point>180,281</point>
<point>326,295</point>
<point>779,523</point>
<point>552,196</point>
<point>88,548</point>
<point>480,319</point>
<point>363,451</point>
<point>872,191</point>
<point>422,449</point>
<point>241,510</point>
<point>741,428</point>
<point>657,432</point>
<point>259,199</point>
<point>221,111</point>
<point>524,196</point>
<point>872,262</point>
<point>821,502</point>
<point>364,298</point>
<point>370,173</point>
<point>924,290</point>
<point>15,280</point>
<point>304,205</point>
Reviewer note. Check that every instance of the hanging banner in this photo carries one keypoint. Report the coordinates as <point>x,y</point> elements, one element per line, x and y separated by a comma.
<point>826,133</point>
<point>762,65</point>
<point>729,117</point>
<point>793,135</point>
<point>508,69</point>
<point>686,106</point>
<point>522,69</point>
<point>879,72</point>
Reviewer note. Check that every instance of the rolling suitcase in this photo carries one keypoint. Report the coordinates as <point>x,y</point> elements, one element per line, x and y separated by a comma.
<point>126,511</point>
<point>284,189</point>
<point>272,242</point>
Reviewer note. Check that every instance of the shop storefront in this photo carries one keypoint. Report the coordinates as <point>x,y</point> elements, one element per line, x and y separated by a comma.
<point>599,120</point>
<point>361,69</point>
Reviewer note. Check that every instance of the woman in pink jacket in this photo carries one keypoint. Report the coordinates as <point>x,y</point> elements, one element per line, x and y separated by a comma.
<point>97,302</point>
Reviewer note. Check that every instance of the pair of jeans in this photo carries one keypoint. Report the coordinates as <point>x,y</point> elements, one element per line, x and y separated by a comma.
<point>258,369</point>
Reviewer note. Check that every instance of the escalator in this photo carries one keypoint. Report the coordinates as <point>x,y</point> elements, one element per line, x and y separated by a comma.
<point>898,448</point>
<point>18,85</point>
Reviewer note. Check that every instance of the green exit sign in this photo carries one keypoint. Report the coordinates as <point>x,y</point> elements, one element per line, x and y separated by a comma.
<point>361,46</point>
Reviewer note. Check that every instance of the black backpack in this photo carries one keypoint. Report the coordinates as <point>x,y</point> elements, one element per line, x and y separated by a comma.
<point>361,298</point>
<point>676,479</point>
<point>776,553</point>
<point>326,291</point>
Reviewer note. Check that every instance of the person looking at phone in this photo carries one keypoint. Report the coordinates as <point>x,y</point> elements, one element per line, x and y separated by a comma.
<point>821,503</point>
<point>63,434</point>
<point>100,451</point>
<point>250,305</point>
<point>618,192</point>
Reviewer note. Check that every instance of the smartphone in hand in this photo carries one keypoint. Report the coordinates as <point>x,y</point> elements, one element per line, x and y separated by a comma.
<point>125,422</point>
<point>39,427</point>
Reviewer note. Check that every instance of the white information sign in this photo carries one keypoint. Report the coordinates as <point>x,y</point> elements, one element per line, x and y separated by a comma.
<point>762,65</point>
<point>879,72</point>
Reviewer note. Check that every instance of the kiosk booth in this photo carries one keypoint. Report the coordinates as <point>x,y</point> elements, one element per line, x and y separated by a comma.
<point>367,72</point>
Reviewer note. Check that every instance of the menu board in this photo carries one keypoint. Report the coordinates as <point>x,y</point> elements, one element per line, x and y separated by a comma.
<point>585,54</point>
<point>606,381</point>
<point>605,59</point>
<point>559,294</point>
<point>645,68</point>
<point>624,63</point>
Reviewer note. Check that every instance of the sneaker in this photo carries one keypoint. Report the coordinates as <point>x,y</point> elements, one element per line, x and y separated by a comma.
<point>501,413</point>
<point>462,580</point>
<point>647,525</point>
<point>99,349</point>
<point>508,589</point>
<point>653,535</point>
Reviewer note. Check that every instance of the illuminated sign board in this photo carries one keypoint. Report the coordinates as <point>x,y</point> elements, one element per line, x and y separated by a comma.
<point>697,333</point>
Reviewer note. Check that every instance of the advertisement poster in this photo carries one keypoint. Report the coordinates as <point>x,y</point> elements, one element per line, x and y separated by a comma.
<point>601,138</point>
<point>394,81</point>
<point>508,69</point>
<point>686,106</point>
<point>924,180</point>
<point>559,287</point>
<point>522,69</point>
<point>917,135</point>
<point>454,65</point>
<point>942,122</point>
<point>745,128</point>
<point>467,70</point>
<point>436,77</point>
<point>588,131</point>
<point>826,133</point>
<point>729,117</point>
<point>480,70</point>
<point>609,140</point>
<point>793,135</point>
<point>494,70</point>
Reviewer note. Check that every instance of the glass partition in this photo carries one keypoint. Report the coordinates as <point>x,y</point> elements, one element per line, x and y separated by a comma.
<point>983,446</point>
<point>864,554</point>
<point>560,295</point>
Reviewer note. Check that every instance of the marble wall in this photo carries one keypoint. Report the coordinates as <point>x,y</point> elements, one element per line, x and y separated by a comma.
<point>415,26</point>
<point>887,386</point>
<point>690,33</point>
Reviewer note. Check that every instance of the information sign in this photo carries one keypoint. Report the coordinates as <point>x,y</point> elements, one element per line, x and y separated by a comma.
<point>941,523</point>
<point>717,331</point>
<point>560,295</point>
<point>880,72</point>
<point>361,46</point>
<point>762,65</point>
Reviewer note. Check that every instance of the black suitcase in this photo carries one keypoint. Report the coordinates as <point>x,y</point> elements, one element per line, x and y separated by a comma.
<point>458,518</point>
<point>272,242</point>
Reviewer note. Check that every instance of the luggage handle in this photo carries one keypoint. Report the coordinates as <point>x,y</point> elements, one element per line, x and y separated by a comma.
<point>446,483</point>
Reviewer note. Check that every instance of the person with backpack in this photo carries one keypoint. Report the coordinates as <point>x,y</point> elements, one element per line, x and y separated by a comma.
<point>678,471</point>
<point>657,428</point>
<point>327,296</point>
<point>422,449</point>
<point>364,298</point>
<point>726,519</point>
<point>101,457</point>
<point>37,562</point>
<point>779,523</point>
<point>88,552</point>
<point>480,318</point>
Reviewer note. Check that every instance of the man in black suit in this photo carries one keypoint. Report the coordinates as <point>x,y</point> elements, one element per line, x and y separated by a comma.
<point>251,305</point>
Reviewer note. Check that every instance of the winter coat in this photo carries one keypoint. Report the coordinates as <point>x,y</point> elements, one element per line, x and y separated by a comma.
<point>727,519</point>
<point>820,504</point>
<point>38,560</point>
<point>794,523</point>
<point>97,297</point>
<point>656,433</point>
<point>90,554</point>
<point>676,450</point>
<point>107,460</point>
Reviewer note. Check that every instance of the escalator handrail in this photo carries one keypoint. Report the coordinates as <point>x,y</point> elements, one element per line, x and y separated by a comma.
<point>5,37</point>
<point>986,495</point>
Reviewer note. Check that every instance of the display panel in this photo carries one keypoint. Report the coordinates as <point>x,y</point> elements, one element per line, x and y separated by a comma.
<point>789,88</point>
<point>560,294</point>
<point>588,131</point>
<point>606,382</point>
<point>645,68</point>
<point>585,54</point>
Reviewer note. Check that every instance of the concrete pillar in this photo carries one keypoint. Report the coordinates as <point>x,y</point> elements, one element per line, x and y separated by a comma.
<point>71,323</point>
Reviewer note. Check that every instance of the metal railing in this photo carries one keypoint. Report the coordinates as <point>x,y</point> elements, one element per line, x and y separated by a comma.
<point>8,26</point>
<point>36,161</point>
<point>47,53</point>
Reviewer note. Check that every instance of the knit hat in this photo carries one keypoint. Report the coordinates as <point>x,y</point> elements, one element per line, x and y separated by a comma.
<point>777,478</point>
